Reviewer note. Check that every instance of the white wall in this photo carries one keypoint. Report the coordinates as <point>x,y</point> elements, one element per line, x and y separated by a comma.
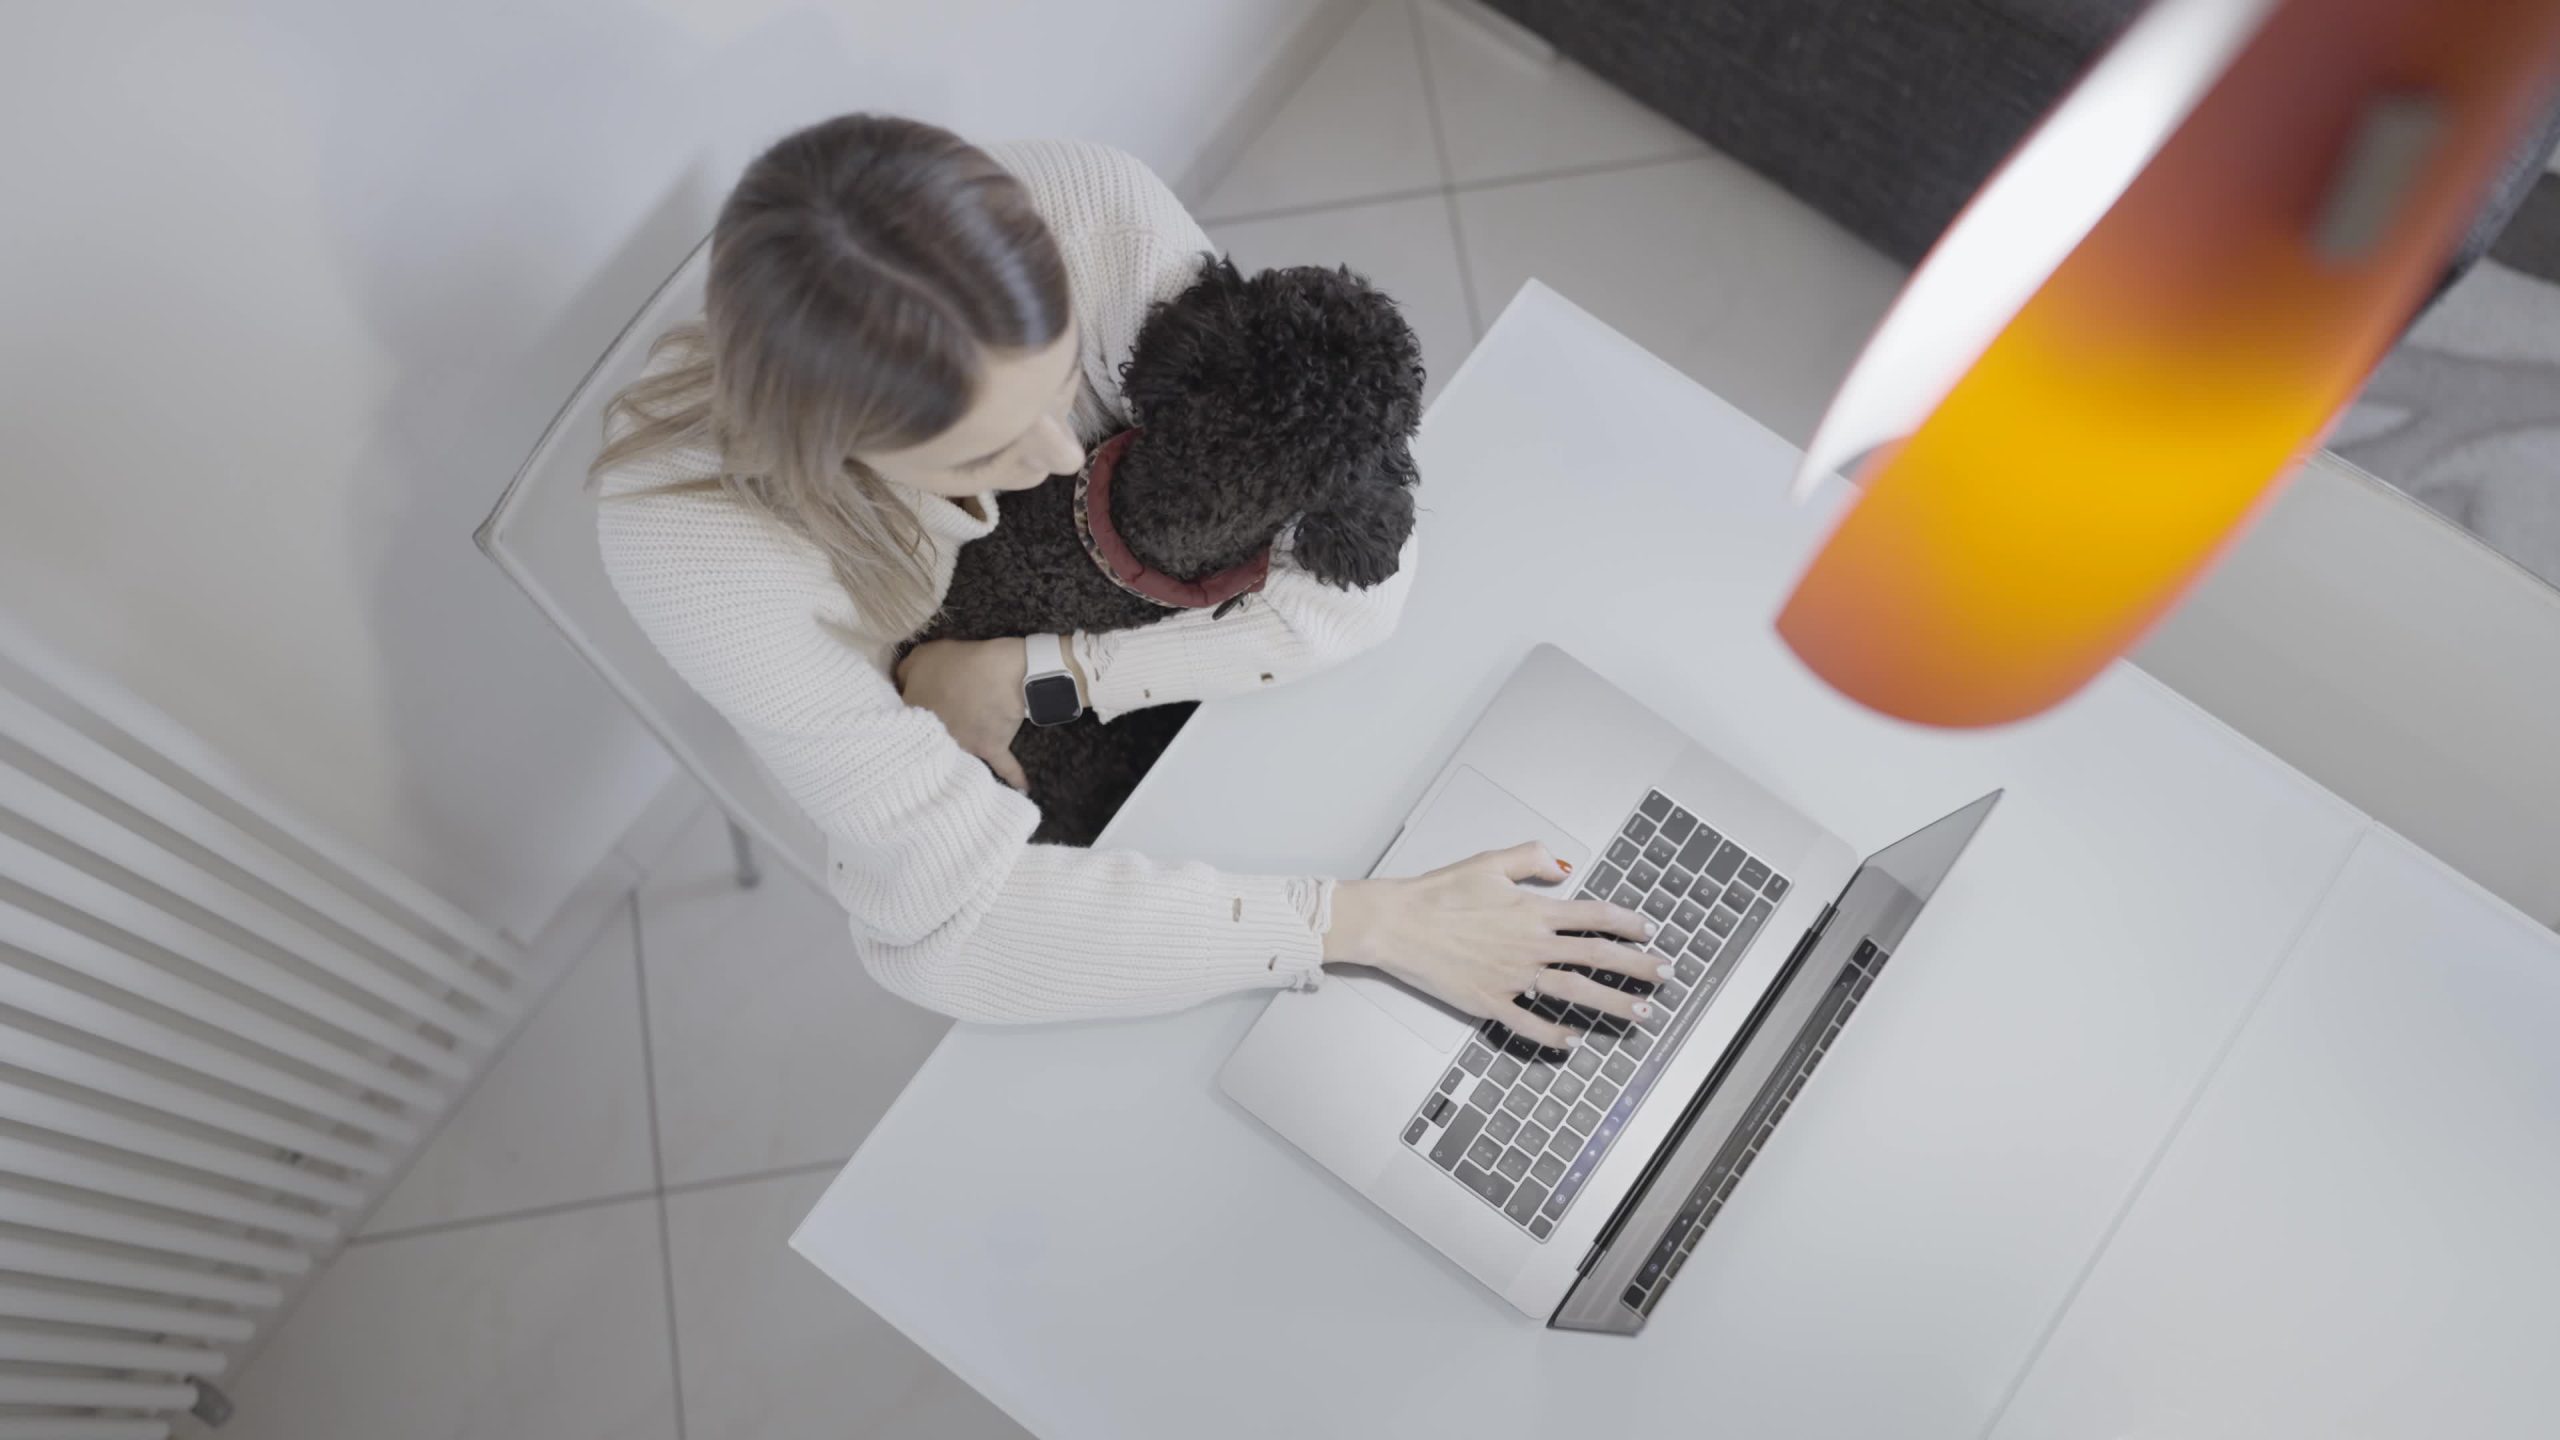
<point>289,287</point>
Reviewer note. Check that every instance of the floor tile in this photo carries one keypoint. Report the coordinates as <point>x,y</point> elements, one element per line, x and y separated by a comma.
<point>551,1328</point>
<point>1358,127</point>
<point>1404,246</point>
<point>1505,113</point>
<point>774,1350</point>
<point>770,1045</point>
<point>1716,270</point>
<point>564,1114</point>
<point>663,822</point>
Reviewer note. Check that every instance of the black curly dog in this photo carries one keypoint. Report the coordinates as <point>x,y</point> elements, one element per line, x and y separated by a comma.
<point>1287,396</point>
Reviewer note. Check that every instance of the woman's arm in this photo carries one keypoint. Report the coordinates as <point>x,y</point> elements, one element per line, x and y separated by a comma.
<point>1295,627</point>
<point>950,905</point>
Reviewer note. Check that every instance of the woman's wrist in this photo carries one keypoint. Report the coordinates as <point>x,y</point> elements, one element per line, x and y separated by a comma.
<point>1359,914</point>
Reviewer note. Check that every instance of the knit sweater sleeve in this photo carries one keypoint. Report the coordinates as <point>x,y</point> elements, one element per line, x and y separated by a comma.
<point>1128,244</point>
<point>951,906</point>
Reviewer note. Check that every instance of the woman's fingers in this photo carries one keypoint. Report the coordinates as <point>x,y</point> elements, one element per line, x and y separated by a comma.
<point>1531,861</point>
<point>1552,1034</point>
<point>1008,769</point>
<point>1583,990</point>
<point>1610,955</point>
<point>1603,918</point>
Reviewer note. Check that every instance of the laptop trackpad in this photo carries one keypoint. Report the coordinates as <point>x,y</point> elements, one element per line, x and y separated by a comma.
<point>1471,814</point>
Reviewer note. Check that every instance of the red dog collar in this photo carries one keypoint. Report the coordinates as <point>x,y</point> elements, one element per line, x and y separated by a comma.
<point>1112,554</point>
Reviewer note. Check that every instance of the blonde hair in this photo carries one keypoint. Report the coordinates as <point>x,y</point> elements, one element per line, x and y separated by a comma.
<point>859,271</point>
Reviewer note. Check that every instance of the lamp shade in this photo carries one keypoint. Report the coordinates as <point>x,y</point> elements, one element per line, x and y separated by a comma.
<point>2140,324</point>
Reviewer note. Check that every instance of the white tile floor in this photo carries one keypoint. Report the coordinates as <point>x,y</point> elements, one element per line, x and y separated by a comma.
<point>594,1246</point>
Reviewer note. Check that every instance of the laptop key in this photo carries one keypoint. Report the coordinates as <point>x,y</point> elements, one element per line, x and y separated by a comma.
<point>1652,1022</point>
<point>1439,1109</point>
<point>1568,1088</point>
<point>1690,915</point>
<point>1484,1182</point>
<point>1455,1140</point>
<point>1534,1138</point>
<point>1550,1113</point>
<point>1727,859</point>
<point>1542,1227</point>
<point>1721,921</point>
<point>1487,1095</point>
<point>1414,1132</point>
<point>1627,898</point>
<point>1635,1043</point>
<point>1502,1125</point>
<point>1739,896</point>
<point>1679,825</point>
<point>1655,806</point>
<point>1604,879</point>
<point>1670,940</point>
<point>1602,1090</point>
<point>1776,889</point>
<point>1675,878</point>
<point>1658,905</point>
<point>1643,875</point>
<point>1539,1076</point>
<point>1698,849</point>
<point>1504,1071</point>
<point>1619,1069</point>
<point>1524,1204</point>
<point>1475,1057</point>
<point>1513,1164</point>
<point>1754,874</point>
<point>1585,1062</point>
<point>1689,969</point>
<point>1484,1151</point>
<point>1583,1120</point>
<point>1449,1082</point>
<point>1673,994</point>
<point>1546,1170</point>
<point>1706,889</point>
<point>1623,852</point>
<point>1518,1102</point>
<point>1639,829</point>
<point>1659,852</point>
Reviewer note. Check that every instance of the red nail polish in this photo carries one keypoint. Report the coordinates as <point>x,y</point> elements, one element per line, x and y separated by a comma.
<point>1565,865</point>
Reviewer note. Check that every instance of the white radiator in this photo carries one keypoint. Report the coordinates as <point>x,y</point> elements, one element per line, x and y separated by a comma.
<point>222,1034</point>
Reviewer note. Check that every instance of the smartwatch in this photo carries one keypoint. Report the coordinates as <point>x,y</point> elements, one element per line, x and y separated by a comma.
<point>1049,694</point>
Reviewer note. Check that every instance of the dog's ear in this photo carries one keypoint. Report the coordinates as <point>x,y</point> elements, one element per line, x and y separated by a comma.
<point>1358,540</point>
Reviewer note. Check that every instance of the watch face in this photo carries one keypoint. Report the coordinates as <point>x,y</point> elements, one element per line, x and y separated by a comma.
<point>1051,700</point>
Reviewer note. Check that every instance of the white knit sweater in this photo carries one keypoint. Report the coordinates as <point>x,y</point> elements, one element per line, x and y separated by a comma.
<point>951,905</point>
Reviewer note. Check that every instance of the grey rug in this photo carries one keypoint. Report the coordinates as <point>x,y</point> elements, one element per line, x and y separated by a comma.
<point>2465,413</point>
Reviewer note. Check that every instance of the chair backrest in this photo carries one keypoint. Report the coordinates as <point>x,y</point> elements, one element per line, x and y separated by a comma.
<point>543,534</point>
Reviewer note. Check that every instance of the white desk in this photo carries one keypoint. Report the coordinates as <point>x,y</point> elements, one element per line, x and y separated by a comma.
<point>1075,1221</point>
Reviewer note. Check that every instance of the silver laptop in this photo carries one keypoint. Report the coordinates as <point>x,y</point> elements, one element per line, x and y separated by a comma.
<point>1577,1183</point>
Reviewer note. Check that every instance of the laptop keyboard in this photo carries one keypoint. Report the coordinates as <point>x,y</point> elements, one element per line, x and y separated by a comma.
<point>1706,1198</point>
<point>1523,1126</point>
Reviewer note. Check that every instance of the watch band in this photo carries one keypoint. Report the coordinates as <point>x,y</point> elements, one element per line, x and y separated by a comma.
<point>1044,655</point>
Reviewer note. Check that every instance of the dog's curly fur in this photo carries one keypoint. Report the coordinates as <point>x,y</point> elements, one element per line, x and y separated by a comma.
<point>1277,406</point>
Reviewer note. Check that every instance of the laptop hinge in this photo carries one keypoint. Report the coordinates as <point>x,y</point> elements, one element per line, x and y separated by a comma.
<point>1679,1131</point>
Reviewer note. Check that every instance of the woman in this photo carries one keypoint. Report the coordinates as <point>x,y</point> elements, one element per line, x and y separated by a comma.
<point>899,327</point>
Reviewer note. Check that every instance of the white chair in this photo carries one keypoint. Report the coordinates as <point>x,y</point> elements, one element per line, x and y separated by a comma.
<point>543,534</point>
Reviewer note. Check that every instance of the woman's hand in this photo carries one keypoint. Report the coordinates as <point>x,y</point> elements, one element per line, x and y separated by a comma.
<point>1471,936</point>
<point>976,687</point>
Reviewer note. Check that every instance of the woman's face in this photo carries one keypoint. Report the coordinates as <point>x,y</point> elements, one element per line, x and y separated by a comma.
<point>1017,435</point>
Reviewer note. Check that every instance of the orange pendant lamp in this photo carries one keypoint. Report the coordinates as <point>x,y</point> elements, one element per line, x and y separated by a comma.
<point>2140,324</point>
